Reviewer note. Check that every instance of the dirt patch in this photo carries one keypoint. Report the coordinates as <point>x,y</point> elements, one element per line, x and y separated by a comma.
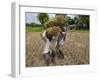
<point>76,49</point>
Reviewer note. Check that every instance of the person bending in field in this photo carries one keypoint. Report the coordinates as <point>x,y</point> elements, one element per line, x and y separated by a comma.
<point>60,43</point>
<point>50,37</point>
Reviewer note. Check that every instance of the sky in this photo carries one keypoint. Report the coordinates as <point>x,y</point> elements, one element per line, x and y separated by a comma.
<point>32,17</point>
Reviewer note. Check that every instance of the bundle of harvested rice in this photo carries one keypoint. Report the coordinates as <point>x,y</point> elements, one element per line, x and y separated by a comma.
<point>53,31</point>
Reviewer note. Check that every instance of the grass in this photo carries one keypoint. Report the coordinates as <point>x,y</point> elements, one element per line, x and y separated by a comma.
<point>40,29</point>
<point>82,31</point>
<point>34,29</point>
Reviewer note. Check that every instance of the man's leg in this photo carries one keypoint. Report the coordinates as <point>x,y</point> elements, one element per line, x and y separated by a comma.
<point>61,51</point>
<point>53,54</point>
<point>60,54</point>
<point>47,58</point>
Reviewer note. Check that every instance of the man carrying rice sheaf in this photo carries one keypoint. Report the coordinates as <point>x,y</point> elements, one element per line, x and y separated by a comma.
<point>60,43</point>
<point>54,37</point>
<point>51,36</point>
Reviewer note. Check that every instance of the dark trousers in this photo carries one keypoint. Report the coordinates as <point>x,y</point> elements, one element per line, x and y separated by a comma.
<point>49,58</point>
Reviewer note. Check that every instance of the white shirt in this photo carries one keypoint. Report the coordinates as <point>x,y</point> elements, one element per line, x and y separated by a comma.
<point>49,45</point>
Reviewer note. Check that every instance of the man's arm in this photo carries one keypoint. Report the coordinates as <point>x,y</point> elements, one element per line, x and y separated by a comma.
<point>64,36</point>
<point>43,35</point>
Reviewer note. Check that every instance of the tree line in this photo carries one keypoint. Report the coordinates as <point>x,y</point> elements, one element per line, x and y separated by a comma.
<point>79,21</point>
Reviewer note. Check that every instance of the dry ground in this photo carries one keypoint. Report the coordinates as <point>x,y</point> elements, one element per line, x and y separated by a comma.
<point>76,49</point>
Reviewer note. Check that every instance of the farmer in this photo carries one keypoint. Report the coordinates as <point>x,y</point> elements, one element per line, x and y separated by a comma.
<point>60,42</point>
<point>50,37</point>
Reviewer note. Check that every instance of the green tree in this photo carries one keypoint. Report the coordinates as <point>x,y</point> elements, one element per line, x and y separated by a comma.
<point>76,19</point>
<point>84,20</point>
<point>69,21</point>
<point>43,17</point>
